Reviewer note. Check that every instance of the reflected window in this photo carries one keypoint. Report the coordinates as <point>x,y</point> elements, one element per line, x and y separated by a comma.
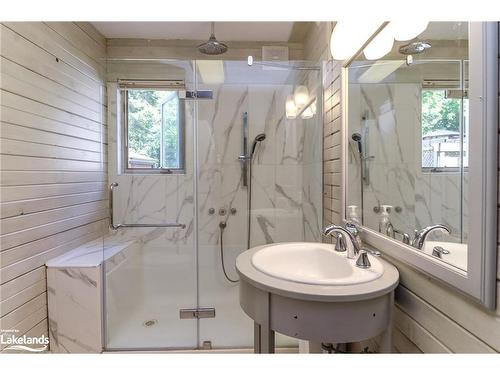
<point>444,144</point>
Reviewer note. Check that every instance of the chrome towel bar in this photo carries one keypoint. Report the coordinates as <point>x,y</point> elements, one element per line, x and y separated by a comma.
<point>119,226</point>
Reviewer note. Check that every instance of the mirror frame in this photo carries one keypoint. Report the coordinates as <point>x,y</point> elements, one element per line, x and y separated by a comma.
<point>479,281</point>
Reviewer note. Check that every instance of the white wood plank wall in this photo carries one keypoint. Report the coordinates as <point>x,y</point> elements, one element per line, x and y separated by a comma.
<point>53,164</point>
<point>430,317</point>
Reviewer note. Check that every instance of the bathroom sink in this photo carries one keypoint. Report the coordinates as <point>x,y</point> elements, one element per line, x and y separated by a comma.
<point>311,292</point>
<point>313,263</point>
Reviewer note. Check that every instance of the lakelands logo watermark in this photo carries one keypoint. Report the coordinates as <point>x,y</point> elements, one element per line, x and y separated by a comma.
<point>23,343</point>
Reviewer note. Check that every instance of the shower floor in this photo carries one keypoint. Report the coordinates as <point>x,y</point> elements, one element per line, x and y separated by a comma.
<point>130,332</point>
<point>236,331</point>
<point>143,291</point>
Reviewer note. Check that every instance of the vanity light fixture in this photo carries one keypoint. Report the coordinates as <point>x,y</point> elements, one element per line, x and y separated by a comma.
<point>301,96</point>
<point>348,37</point>
<point>290,107</point>
<point>300,104</point>
<point>308,112</point>
<point>381,45</point>
<point>407,30</point>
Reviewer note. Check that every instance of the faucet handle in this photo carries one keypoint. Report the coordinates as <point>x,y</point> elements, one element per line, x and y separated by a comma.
<point>438,251</point>
<point>363,261</point>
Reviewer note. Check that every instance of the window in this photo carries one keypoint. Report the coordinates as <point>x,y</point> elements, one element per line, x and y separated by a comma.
<point>444,145</point>
<point>154,128</point>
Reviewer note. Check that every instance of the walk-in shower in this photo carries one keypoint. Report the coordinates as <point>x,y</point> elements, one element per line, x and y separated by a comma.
<point>170,287</point>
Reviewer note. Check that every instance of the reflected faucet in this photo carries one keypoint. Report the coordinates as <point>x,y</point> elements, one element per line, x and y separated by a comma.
<point>404,235</point>
<point>421,235</point>
<point>391,232</point>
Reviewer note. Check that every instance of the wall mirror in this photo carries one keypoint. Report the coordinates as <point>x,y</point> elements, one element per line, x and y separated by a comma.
<point>420,150</point>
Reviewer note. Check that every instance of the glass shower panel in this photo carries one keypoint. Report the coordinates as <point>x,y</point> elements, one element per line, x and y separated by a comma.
<point>151,270</point>
<point>277,189</point>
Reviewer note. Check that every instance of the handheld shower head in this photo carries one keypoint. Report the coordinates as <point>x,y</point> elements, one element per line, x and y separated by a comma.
<point>356,137</point>
<point>259,138</point>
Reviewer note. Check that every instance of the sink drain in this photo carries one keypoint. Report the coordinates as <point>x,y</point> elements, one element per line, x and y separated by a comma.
<point>150,323</point>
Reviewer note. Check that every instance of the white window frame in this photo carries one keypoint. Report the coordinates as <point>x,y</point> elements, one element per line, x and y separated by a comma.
<point>167,85</point>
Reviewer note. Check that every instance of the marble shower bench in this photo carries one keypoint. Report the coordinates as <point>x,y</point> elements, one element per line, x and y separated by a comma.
<point>76,292</point>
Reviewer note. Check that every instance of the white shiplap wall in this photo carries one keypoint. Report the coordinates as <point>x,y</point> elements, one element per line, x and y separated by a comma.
<point>52,157</point>
<point>430,317</point>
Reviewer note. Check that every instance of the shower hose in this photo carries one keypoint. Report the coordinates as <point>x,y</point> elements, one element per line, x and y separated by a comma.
<point>222,226</point>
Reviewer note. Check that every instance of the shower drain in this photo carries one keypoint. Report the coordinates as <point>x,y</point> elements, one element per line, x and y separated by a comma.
<point>150,323</point>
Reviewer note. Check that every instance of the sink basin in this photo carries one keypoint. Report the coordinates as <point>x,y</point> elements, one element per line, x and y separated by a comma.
<point>313,263</point>
<point>457,256</point>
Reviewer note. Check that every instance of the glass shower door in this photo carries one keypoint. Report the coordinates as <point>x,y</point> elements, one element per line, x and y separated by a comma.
<point>176,137</point>
<point>150,258</point>
<point>283,179</point>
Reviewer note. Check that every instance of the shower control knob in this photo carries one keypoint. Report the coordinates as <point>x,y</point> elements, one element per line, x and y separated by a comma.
<point>211,211</point>
<point>233,211</point>
<point>222,212</point>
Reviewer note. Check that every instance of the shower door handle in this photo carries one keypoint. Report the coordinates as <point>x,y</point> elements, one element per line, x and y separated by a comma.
<point>114,226</point>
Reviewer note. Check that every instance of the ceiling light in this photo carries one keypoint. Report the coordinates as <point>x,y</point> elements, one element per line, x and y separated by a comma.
<point>381,45</point>
<point>348,37</point>
<point>290,107</point>
<point>301,96</point>
<point>407,30</point>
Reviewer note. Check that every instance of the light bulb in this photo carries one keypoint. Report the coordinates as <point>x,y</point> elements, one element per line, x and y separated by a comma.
<point>307,113</point>
<point>290,107</point>
<point>381,45</point>
<point>301,96</point>
<point>348,37</point>
<point>407,30</point>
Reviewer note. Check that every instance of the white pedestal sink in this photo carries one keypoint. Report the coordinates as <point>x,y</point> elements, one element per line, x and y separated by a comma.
<point>310,292</point>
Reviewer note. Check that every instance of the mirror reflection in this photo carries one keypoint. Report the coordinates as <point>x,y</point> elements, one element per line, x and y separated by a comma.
<point>407,142</point>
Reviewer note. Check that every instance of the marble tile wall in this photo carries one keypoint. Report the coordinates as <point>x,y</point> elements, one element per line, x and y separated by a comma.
<point>75,309</point>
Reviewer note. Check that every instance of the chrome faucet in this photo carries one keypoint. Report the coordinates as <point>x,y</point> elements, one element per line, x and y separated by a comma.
<point>351,233</point>
<point>421,235</point>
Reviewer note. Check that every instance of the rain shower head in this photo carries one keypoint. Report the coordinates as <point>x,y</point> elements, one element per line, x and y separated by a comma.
<point>259,138</point>
<point>212,46</point>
